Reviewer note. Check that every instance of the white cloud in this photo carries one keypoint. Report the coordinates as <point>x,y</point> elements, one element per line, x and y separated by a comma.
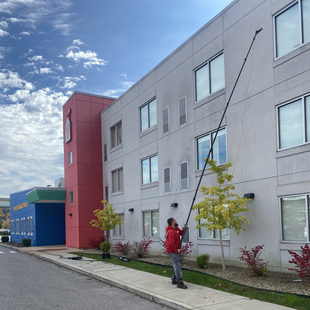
<point>4,50</point>
<point>15,20</point>
<point>70,82</point>
<point>4,24</point>
<point>124,75</point>
<point>37,58</point>
<point>25,33</point>
<point>12,80</point>
<point>118,91</point>
<point>90,58</point>
<point>33,142</point>
<point>60,68</point>
<point>3,33</point>
<point>45,70</point>
<point>78,42</point>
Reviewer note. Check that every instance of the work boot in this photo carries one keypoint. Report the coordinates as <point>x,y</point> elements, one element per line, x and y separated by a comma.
<point>174,282</point>
<point>181,285</point>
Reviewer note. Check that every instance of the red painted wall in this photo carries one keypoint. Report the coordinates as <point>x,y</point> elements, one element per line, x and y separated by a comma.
<point>84,175</point>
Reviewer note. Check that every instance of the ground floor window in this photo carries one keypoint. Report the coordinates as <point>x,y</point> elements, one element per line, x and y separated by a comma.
<point>119,230</point>
<point>23,226</point>
<point>17,227</point>
<point>212,234</point>
<point>295,218</point>
<point>30,225</point>
<point>12,227</point>
<point>151,223</point>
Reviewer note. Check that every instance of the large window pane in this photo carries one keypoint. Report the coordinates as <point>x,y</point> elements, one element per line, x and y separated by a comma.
<point>291,124</point>
<point>119,133</point>
<point>154,169</point>
<point>217,73</point>
<point>287,30</point>
<point>144,118</point>
<point>145,171</point>
<point>113,136</point>
<point>307,113</point>
<point>155,223</point>
<point>219,147</point>
<point>225,234</point>
<point>153,113</point>
<point>306,20</point>
<point>114,181</point>
<point>202,82</point>
<point>294,218</point>
<point>120,180</point>
<point>204,145</point>
<point>147,224</point>
<point>203,232</point>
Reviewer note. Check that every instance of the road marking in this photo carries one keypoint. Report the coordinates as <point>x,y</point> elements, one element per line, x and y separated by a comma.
<point>12,251</point>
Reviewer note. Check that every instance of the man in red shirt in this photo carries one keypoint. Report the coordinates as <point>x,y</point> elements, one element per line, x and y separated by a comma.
<point>172,247</point>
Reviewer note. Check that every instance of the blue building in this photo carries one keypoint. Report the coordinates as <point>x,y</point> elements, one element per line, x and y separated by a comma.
<point>38,214</point>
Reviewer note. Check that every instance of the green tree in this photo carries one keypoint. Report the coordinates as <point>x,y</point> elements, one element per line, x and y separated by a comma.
<point>6,222</point>
<point>220,208</point>
<point>107,218</point>
<point>1,212</point>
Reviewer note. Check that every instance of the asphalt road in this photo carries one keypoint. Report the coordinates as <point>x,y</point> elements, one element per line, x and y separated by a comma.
<point>27,282</point>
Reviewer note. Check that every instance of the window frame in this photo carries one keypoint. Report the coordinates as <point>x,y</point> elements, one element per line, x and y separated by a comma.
<point>187,178</point>
<point>119,227</point>
<point>117,135</point>
<point>150,169</point>
<point>180,111</point>
<point>164,132</point>
<point>301,43</point>
<point>70,159</point>
<point>148,114</point>
<point>169,179</point>
<point>209,74</point>
<point>151,228</point>
<point>304,123</point>
<point>17,228</point>
<point>118,183</point>
<point>307,206</point>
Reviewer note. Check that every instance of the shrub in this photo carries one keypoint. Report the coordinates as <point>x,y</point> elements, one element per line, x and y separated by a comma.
<point>202,260</point>
<point>186,248</point>
<point>26,242</point>
<point>105,246</point>
<point>142,247</point>
<point>254,263</point>
<point>4,238</point>
<point>95,243</point>
<point>123,248</point>
<point>302,262</point>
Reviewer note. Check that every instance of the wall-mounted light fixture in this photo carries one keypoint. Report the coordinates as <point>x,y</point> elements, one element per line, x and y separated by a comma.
<point>70,214</point>
<point>174,205</point>
<point>131,209</point>
<point>249,195</point>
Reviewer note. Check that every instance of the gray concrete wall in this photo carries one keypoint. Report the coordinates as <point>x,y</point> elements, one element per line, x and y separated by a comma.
<point>262,169</point>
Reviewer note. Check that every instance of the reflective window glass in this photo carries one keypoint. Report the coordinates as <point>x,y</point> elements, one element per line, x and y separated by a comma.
<point>217,73</point>
<point>202,82</point>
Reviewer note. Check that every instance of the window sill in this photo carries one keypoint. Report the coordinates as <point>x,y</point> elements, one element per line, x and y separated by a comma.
<point>118,237</point>
<point>118,193</point>
<point>149,185</point>
<point>211,97</point>
<point>115,148</point>
<point>293,150</point>
<point>147,131</point>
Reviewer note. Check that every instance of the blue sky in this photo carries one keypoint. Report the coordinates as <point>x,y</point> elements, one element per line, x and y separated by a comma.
<point>51,48</point>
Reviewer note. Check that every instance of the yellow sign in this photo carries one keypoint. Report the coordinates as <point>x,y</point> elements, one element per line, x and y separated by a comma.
<point>21,206</point>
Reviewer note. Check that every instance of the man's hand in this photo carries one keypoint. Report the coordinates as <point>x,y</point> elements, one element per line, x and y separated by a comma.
<point>179,250</point>
<point>186,225</point>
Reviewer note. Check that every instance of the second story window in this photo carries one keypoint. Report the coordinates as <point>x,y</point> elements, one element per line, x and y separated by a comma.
<point>149,169</point>
<point>148,115</point>
<point>117,180</point>
<point>292,27</point>
<point>116,134</point>
<point>165,120</point>
<point>210,77</point>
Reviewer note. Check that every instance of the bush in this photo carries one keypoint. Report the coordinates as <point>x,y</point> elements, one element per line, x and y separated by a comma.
<point>255,264</point>
<point>105,246</point>
<point>26,242</point>
<point>202,260</point>
<point>186,248</point>
<point>95,244</point>
<point>4,238</point>
<point>123,248</point>
<point>302,262</point>
<point>142,247</point>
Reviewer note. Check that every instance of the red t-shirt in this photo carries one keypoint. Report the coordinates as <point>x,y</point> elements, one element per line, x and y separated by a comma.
<point>173,239</point>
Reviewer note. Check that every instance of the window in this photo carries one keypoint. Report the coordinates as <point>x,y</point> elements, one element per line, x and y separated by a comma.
<point>182,111</point>
<point>219,148</point>
<point>165,120</point>
<point>148,115</point>
<point>30,225</point>
<point>184,175</point>
<point>116,134</point>
<point>151,223</point>
<point>294,123</point>
<point>23,226</point>
<point>213,234</point>
<point>71,197</point>
<point>149,169</point>
<point>117,180</point>
<point>17,227</point>
<point>295,218</point>
<point>292,27</point>
<point>12,227</point>
<point>167,186</point>
<point>119,230</point>
<point>105,153</point>
<point>70,157</point>
<point>210,77</point>
<point>106,191</point>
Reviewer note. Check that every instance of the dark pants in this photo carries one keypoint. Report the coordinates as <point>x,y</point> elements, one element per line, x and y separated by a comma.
<point>176,260</point>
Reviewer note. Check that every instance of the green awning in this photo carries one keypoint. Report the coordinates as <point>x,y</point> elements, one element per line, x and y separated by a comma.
<point>47,195</point>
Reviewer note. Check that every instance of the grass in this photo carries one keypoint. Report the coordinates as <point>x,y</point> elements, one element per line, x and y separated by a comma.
<point>283,299</point>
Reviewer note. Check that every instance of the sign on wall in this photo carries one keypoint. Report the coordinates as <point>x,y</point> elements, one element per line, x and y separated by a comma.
<point>21,206</point>
<point>68,127</point>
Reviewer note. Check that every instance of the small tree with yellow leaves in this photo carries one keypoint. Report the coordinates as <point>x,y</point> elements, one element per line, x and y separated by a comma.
<point>220,208</point>
<point>6,222</point>
<point>107,218</point>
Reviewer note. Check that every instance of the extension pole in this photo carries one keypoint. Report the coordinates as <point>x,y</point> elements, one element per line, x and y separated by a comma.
<point>218,129</point>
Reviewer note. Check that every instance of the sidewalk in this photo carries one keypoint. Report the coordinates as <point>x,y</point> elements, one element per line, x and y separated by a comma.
<point>149,285</point>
